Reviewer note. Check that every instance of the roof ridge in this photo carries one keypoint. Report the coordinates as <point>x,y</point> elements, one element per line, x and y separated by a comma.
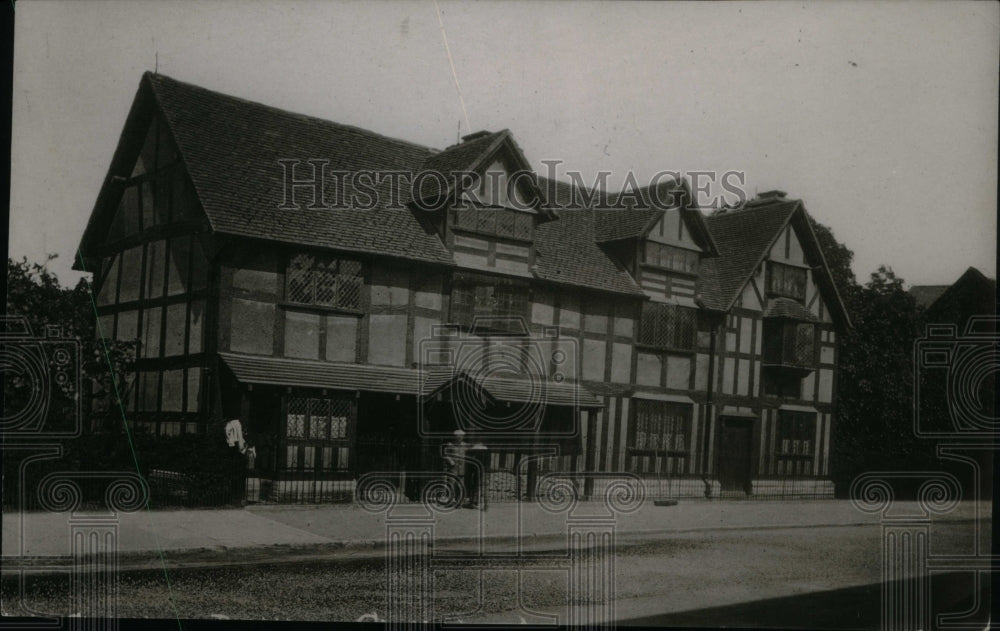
<point>153,78</point>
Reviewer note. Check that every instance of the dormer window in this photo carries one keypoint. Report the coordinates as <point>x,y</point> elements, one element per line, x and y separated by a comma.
<point>669,257</point>
<point>494,222</point>
<point>787,281</point>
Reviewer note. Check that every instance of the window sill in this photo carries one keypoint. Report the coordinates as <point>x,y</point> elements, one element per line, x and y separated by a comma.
<point>661,268</point>
<point>665,349</point>
<point>297,306</point>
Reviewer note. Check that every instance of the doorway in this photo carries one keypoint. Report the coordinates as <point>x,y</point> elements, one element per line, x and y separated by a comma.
<point>734,455</point>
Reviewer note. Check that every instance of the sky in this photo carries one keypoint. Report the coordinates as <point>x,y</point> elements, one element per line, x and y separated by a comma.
<point>881,117</point>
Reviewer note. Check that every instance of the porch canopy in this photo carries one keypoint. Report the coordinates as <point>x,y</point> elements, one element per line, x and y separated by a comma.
<point>301,373</point>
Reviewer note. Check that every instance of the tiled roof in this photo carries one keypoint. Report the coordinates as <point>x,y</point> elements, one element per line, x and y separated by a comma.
<point>231,149</point>
<point>743,238</point>
<point>280,371</point>
<point>613,224</point>
<point>567,252</point>
<point>460,157</point>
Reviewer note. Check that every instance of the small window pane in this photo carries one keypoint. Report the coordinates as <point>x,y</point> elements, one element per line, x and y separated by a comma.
<point>197,317</point>
<point>146,188</point>
<point>155,260</point>
<point>108,293</point>
<point>106,326</point>
<point>173,390</point>
<point>149,383</point>
<point>129,209</point>
<point>252,327</point>
<point>296,425</point>
<point>199,265</point>
<point>127,326</point>
<point>151,332</point>
<point>162,198</point>
<point>176,322</point>
<point>341,338</point>
<point>301,335</point>
<point>131,274</point>
<point>193,388</point>
<point>179,266</point>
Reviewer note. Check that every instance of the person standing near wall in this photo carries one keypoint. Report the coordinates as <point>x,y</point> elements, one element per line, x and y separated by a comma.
<point>454,456</point>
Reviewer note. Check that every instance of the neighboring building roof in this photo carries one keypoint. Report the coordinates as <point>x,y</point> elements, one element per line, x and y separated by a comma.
<point>973,294</point>
<point>927,294</point>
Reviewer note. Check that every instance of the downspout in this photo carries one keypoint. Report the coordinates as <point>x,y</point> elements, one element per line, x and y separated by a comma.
<point>708,410</point>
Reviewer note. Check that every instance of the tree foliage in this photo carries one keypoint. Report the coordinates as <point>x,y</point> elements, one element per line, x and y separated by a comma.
<point>35,295</point>
<point>874,425</point>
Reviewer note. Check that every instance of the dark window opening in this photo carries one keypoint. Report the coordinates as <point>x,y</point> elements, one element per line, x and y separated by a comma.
<point>670,257</point>
<point>660,430</point>
<point>668,326</point>
<point>317,433</point>
<point>795,443</point>
<point>788,343</point>
<point>499,303</point>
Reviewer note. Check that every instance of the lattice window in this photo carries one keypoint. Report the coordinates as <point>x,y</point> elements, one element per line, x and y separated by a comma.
<point>786,280</point>
<point>659,437</point>
<point>795,442</point>
<point>341,412</point>
<point>473,298</point>
<point>498,222</point>
<point>327,281</point>
<point>670,257</point>
<point>319,418</point>
<point>668,326</point>
<point>789,343</point>
<point>297,408</point>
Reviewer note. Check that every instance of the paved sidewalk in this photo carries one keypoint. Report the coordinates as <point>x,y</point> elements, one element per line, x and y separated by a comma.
<point>284,533</point>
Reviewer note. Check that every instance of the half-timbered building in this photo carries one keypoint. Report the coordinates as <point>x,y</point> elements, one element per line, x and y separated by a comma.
<point>346,321</point>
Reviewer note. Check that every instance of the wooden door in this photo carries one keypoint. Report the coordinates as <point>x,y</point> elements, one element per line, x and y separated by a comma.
<point>734,455</point>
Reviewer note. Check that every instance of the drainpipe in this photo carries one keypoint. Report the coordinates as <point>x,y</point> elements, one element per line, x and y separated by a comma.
<point>708,409</point>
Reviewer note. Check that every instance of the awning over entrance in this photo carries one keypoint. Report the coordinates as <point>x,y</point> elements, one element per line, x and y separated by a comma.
<point>302,373</point>
<point>515,390</point>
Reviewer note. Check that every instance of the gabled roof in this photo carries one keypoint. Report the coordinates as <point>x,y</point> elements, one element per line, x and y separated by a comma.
<point>745,237</point>
<point>471,155</point>
<point>566,251</point>
<point>231,148</point>
<point>973,294</point>
<point>615,224</point>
